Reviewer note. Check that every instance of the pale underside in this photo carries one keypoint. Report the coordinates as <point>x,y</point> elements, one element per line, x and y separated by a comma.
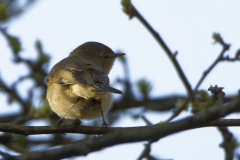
<point>83,84</point>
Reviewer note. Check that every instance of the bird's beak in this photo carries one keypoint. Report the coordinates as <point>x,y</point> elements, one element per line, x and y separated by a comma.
<point>119,54</point>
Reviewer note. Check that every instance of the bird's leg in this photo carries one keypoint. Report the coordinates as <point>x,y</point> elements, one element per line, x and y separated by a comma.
<point>61,119</point>
<point>94,102</point>
<point>104,124</point>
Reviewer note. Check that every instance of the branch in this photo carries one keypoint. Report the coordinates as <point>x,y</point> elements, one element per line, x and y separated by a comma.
<point>146,152</point>
<point>204,75</point>
<point>223,123</point>
<point>35,130</point>
<point>21,145</point>
<point>133,12</point>
<point>13,95</point>
<point>227,143</point>
<point>219,58</point>
<point>157,104</point>
<point>135,134</point>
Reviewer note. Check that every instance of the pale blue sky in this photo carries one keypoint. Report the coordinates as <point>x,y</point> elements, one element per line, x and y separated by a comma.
<point>186,26</point>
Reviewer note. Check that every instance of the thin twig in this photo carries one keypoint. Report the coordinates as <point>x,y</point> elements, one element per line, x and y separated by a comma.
<point>147,146</point>
<point>146,120</point>
<point>146,152</point>
<point>205,73</point>
<point>132,11</point>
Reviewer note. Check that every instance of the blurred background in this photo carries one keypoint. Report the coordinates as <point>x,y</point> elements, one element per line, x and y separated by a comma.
<point>35,35</point>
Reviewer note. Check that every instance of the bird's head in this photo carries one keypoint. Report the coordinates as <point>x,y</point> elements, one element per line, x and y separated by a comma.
<point>100,54</point>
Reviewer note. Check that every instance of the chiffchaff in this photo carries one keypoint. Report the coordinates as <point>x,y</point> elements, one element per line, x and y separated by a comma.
<point>78,86</point>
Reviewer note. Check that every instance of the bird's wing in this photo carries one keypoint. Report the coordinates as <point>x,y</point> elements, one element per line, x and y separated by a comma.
<point>101,81</point>
<point>73,74</point>
<point>66,72</point>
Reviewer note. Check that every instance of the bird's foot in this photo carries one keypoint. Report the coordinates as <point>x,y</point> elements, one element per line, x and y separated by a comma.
<point>59,122</point>
<point>104,124</point>
<point>76,122</point>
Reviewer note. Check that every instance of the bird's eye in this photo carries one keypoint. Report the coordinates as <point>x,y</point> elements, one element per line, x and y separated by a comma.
<point>107,57</point>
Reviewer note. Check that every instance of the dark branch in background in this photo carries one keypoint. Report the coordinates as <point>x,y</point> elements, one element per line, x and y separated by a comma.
<point>123,136</point>
<point>22,146</point>
<point>146,120</point>
<point>13,95</point>
<point>157,104</point>
<point>146,153</point>
<point>218,39</point>
<point>223,123</point>
<point>164,103</point>
<point>37,74</point>
<point>132,12</point>
<point>228,144</point>
<point>236,58</point>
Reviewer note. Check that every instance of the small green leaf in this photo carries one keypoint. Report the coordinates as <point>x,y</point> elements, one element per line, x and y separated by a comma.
<point>15,44</point>
<point>203,95</point>
<point>13,41</point>
<point>43,57</point>
<point>179,103</point>
<point>3,11</point>
<point>145,87</point>
<point>126,3</point>
<point>217,38</point>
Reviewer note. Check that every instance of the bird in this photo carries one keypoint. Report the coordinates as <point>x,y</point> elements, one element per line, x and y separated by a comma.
<point>78,86</point>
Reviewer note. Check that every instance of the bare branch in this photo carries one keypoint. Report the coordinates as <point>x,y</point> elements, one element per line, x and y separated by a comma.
<point>12,92</point>
<point>227,143</point>
<point>223,123</point>
<point>157,104</point>
<point>133,12</point>
<point>123,136</point>
<point>146,152</point>
<point>35,130</point>
<point>205,73</point>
